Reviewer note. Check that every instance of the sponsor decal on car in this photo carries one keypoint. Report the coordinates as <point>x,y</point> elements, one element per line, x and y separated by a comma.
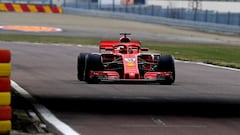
<point>130,61</point>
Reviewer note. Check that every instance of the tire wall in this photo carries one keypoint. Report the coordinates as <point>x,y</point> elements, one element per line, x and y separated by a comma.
<point>5,92</point>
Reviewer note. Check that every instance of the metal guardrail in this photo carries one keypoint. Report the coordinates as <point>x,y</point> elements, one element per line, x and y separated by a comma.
<point>202,26</point>
<point>150,10</point>
<point>196,19</point>
<point>153,10</point>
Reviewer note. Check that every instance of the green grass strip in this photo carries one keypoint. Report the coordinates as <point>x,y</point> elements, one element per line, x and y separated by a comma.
<point>223,55</point>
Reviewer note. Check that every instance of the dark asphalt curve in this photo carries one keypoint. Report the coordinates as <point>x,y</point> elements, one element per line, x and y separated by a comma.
<point>203,100</point>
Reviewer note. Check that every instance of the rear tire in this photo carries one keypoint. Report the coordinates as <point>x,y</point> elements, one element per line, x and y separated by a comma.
<point>94,63</point>
<point>166,64</point>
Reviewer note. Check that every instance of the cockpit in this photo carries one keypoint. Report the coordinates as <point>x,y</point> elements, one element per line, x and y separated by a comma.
<point>126,49</point>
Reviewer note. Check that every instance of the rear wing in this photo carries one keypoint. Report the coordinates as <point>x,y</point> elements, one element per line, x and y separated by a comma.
<point>108,44</point>
<point>111,44</point>
<point>144,49</point>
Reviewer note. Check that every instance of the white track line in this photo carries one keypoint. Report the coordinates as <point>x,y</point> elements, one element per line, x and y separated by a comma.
<point>45,113</point>
<point>209,65</point>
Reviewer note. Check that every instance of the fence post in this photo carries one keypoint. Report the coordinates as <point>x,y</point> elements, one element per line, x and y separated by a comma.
<point>167,14</point>
<point>76,3</point>
<point>228,18</point>
<point>195,15</point>
<point>113,5</point>
<point>89,4</point>
<point>139,9</point>
<point>152,10</point>
<point>182,13</point>
<point>206,16</point>
<point>239,19</point>
<point>64,3</point>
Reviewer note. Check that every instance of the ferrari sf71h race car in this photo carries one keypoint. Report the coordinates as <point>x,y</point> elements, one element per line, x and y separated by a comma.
<point>125,60</point>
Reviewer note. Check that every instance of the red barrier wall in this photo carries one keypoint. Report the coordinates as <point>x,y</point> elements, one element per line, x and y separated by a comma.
<point>30,8</point>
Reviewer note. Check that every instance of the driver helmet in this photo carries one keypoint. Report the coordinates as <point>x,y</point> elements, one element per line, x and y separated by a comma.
<point>123,49</point>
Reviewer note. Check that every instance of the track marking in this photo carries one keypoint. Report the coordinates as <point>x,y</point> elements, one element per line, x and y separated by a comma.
<point>44,112</point>
<point>208,65</point>
<point>159,122</point>
<point>30,28</point>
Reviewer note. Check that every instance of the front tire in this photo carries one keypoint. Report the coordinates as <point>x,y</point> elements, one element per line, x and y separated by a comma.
<point>166,64</point>
<point>94,63</point>
<point>81,66</point>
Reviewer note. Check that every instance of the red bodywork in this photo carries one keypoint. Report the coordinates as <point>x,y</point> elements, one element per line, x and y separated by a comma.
<point>127,54</point>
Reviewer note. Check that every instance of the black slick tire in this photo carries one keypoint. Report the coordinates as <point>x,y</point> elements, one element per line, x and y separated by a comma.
<point>81,64</point>
<point>166,64</point>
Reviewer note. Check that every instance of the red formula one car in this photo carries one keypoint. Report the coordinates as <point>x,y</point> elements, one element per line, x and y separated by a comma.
<point>125,60</point>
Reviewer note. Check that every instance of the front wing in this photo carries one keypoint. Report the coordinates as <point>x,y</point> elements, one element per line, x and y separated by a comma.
<point>114,76</point>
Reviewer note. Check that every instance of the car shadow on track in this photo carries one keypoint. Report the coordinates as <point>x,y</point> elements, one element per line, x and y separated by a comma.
<point>202,108</point>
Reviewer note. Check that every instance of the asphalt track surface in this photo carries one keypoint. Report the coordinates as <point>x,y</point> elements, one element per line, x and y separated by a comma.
<point>203,100</point>
<point>84,26</point>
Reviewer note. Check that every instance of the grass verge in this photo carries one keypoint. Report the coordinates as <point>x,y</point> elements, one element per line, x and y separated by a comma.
<point>223,55</point>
